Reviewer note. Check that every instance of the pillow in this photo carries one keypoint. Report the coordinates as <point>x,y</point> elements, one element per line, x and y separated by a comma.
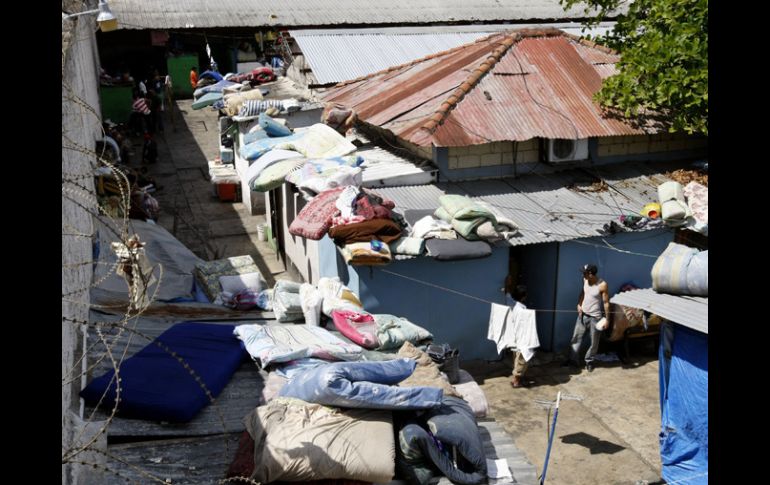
<point>206,100</point>
<point>255,135</point>
<point>236,283</point>
<point>272,127</point>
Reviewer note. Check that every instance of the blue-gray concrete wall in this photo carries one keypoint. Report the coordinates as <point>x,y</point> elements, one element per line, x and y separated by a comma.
<point>461,321</point>
<point>615,267</point>
<point>550,271</point>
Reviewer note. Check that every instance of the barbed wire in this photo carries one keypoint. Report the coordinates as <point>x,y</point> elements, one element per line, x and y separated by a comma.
<point>108,342</point>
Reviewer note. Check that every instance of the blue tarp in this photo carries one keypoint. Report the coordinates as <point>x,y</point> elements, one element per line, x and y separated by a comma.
<point>684,405</point>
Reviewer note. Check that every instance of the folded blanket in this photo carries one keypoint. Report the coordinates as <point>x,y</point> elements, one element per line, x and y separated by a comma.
<point>410,246</point>
<point>674,210</point>
<point>381,229</point>
<point>314,220</point>
<point>464,214</point>
<point>698,203</point>
<point>393,331</point>
<point>428,227</point>
<point>362,254</point>
<point>207,273</point>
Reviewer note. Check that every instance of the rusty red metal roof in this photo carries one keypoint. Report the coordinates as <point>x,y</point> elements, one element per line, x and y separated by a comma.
<point>511,86</point>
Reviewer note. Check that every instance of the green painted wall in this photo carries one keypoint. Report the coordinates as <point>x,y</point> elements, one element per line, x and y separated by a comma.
<point>179,69</point>
<point>116,103</point>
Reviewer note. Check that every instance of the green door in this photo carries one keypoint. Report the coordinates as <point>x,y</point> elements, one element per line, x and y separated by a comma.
<point>116,103</point>
<point>179,69</point>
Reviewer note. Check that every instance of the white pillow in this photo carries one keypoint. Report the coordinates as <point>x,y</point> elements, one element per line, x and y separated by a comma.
<point>236,283</point>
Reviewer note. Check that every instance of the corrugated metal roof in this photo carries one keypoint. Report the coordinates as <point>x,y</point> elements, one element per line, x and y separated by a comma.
<point>511,86</point>
<point>383,167</point>
<point>176,14</point>
<point>341,55</point>
<point>337,58</point>
<point>690,311</point>
<point>548,208</point>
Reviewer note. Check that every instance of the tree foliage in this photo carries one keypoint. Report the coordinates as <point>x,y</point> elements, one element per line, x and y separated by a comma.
<point>663,71</point>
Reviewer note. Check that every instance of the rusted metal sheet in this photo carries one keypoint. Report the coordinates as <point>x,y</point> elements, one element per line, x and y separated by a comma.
<point>542,86</point>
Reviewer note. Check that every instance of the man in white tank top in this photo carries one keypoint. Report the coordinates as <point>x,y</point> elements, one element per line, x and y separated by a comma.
<point>594,302</point>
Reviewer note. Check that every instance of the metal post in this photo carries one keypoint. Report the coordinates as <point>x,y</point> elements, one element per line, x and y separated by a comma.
<point>550,438</point>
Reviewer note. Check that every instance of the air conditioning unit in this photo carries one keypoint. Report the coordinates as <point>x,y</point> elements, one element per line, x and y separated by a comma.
<point>560,150</point>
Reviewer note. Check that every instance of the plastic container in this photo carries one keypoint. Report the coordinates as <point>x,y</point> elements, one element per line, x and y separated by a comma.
<point>261,232</point>
<point>651,210</point>
<point>227,192</point>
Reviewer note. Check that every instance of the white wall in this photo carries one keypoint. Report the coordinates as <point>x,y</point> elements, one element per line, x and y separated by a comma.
<point>302,252</point>
<point>80,126</point>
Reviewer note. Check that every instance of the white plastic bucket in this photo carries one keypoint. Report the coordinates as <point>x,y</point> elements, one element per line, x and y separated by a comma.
<point>261,232</point>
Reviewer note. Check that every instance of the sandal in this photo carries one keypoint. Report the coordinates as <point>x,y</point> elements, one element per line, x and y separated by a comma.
<point>522,383</point>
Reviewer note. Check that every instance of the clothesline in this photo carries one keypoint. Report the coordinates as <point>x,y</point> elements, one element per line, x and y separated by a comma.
<point>466,295</point>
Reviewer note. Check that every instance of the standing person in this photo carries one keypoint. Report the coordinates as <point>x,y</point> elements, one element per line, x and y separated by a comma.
<point>149,118</point>
<point>140,113</point>
<point>142,86</point>
<point>156,105</point>
<point>516,297</point>
<point>193,77</point>
<point>593,302</point>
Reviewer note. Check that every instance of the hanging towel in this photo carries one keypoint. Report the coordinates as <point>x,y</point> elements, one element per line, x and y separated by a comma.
<point>514,327</point>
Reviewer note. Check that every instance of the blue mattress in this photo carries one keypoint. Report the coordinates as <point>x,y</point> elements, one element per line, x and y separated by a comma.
<point>156,386</point>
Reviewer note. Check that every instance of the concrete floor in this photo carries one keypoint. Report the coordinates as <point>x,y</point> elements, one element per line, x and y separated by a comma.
<point>189,208</point>
<point>608,437</point>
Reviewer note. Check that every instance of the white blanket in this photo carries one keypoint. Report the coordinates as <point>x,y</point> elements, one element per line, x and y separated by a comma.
<point>428,227</point>
<point>266,160</point>
<point>320,141</point>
